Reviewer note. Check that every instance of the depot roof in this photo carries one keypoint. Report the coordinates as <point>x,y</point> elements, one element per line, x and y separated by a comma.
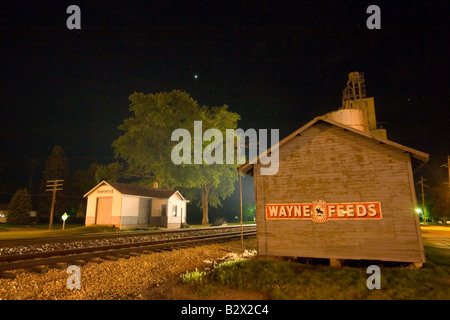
<point>137,190</point>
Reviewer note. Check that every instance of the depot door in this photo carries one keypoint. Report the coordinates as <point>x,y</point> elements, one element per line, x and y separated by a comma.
<point>163,222</point>
<point>104,210</point>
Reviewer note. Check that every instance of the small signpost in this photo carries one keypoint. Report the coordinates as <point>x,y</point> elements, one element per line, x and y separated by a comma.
<point>64,217</point>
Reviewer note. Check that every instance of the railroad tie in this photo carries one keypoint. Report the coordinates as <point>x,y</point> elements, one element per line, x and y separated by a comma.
<point>40,269</point>
<point>7,275</point>
<point>112,258</point>
<point>79,262</point>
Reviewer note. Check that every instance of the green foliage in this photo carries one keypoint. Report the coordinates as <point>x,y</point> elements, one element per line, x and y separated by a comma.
<point>19,208</point>
<point>111,172</point>
<point>146,145</point>
<point>228,272</point>
<point>248,212</point>
<point>56,168</point>
<point>219,222</point>
<point>441,208</point>
<point>194,277</point>
<point>287,279</point>
<point>85,180</point>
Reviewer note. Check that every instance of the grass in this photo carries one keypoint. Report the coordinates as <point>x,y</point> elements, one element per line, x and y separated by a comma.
<point>41,231</point>
<point>228,224</point>
<point>196,277</point>
<point>288,279</point>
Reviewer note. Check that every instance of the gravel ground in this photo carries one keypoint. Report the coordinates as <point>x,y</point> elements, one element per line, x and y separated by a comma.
<point>132,279</point>
<point>49,247</point>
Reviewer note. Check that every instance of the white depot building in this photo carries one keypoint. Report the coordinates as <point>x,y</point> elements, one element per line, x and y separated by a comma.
<point>129,206</point>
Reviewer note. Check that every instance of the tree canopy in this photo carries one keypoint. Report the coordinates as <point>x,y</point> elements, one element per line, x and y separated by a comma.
<point>56,168</point>
<point>441,208</point>
<point>146,145</point>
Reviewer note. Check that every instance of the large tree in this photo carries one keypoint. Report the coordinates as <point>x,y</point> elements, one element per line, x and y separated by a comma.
<point>216,180</point>
<point>110,172</point>
<point>56,166</point>
<point>146,145</point>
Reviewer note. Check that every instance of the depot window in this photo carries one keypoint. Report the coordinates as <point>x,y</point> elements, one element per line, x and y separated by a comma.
<point>174,211</point>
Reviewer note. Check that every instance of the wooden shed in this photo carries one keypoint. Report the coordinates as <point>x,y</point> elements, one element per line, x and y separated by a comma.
<point>132,206</point>
<point>340,193</point>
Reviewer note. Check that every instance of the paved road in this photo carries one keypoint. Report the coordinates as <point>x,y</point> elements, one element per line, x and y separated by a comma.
<point>436,236</point>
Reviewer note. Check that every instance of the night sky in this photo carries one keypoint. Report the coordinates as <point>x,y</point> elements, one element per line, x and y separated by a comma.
<point>278,64</point>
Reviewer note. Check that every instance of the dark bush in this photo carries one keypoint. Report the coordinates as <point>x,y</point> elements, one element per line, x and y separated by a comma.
<point>219,222</point>
<point>19,208</point>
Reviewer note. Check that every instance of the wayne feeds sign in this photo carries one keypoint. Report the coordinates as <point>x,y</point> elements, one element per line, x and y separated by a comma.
<point>320,211</point>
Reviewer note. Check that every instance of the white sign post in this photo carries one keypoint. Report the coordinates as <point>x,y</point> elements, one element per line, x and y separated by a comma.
<point>64,217</point>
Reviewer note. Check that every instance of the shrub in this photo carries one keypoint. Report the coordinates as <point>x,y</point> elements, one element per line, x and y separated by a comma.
<point>219,222</point>
<point>195,277</point>
<point>19,208</point>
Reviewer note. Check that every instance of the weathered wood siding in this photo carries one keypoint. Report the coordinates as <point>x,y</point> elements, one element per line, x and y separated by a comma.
<point>329,163</point>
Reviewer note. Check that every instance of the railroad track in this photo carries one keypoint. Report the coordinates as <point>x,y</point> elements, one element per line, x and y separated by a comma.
<point>113,235</point>
<point>79,256</point>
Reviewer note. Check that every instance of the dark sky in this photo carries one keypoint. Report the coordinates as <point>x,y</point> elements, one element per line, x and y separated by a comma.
<point>277,63</point>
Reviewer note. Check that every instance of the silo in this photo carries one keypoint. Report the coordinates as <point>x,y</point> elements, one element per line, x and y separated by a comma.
<point>354,118</point>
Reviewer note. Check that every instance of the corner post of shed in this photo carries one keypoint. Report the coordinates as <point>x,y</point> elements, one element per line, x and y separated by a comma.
<point>336,263</point>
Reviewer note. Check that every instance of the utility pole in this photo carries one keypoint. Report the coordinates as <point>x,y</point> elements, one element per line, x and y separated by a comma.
<point>53,185</point>
<point>240,200</point>
<point>240,145</point>
<point>447,165</point>
<point>421,182</point>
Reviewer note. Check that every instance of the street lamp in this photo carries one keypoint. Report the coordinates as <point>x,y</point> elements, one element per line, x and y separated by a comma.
<point>421,213</point>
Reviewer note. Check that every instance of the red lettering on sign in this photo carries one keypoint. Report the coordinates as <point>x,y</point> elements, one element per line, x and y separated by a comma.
<point>334,211</point>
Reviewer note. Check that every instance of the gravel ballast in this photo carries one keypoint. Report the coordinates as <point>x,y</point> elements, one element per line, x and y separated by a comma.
<point>129,279</point>
<point>123,239</point>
